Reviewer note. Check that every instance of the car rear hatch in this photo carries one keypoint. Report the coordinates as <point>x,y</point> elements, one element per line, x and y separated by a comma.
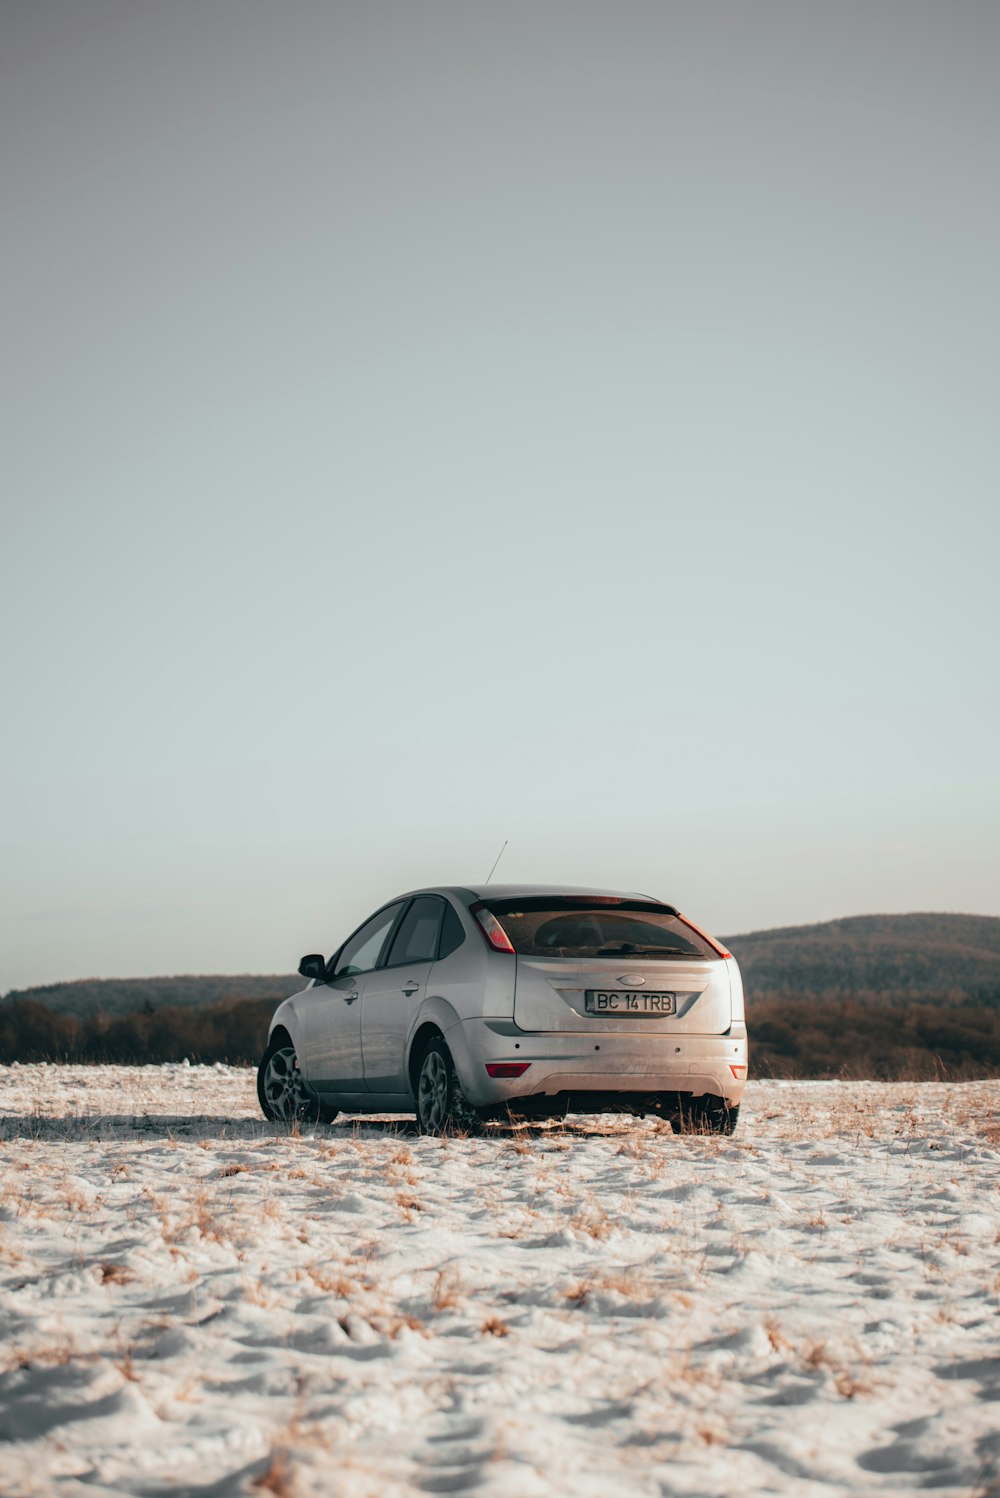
<point>599,965</point>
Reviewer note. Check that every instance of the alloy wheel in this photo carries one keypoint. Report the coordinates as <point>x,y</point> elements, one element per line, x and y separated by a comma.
<point>432,1092</point>
<point>283,1085</point>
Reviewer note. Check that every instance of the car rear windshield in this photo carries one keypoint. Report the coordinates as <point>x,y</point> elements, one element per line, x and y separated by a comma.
<point>547,927</point>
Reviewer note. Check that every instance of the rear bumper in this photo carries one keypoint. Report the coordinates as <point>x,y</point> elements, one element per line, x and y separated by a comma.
<point>560,1063</point>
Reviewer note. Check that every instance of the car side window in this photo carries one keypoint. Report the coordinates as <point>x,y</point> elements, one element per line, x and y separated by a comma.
<point>363,950</point>
<point>417,937</point>
<point>452,932</point>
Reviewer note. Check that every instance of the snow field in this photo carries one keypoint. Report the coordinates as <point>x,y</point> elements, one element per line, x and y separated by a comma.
<point>193,1300</point>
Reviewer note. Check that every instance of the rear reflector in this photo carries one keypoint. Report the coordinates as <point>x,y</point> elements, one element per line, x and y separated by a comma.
<point>507,1068</point>
<point>491,928</point>
<point>737,1070</point>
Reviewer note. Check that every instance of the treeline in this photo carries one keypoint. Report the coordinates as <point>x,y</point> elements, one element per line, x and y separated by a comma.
<point>92,996</point>
<point>232,1030</point>
<point>883,1037</point>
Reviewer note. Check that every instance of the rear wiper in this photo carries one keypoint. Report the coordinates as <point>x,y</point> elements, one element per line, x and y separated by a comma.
<point>628,949</point>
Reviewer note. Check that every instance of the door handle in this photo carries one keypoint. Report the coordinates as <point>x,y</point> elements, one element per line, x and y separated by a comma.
<point>349,996</point>
<point>411,988</point>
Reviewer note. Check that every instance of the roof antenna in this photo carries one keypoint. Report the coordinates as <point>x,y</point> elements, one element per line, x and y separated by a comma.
<point>496,861</point>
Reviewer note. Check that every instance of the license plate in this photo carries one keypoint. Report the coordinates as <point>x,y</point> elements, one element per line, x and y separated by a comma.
<point>625,1002</point>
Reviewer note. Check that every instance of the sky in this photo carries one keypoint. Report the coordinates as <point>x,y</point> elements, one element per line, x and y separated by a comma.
<point>428,425</point>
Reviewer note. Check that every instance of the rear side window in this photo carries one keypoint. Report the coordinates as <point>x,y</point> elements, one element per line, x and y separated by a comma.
<point>417,937</point>
<point>545,927</point>
<point>452,932</point>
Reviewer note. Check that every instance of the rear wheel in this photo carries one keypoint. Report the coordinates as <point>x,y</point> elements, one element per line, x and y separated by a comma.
<point>705,1115</point>
<point>281,1092</point>
<point>442,1107</point>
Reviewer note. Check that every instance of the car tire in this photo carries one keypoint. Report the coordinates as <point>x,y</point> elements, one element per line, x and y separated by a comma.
<point>281,1092</point>
<point>706,1115</point>
<point>442,1107</point>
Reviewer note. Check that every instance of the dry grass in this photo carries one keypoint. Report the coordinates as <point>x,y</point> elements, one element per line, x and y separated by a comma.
<point>126,1366</point>
<point>848,1384</point>
<point>447,1291</point>
<point>709,1435</point>
<point>9,1254</point>
<point>331,1282</point>
<point>520,1141</point>
<point>177,1220</point>
<point>50,1355</point>
<point>258,1294</point>
<point>407,1204</point>
<point>848,1380</point>
<point>279,1477</point>
<point>632,1284</point>
<point>114,1274</point>
<point>76,1201</point>
<point>684,1371</point>
<point>593,1221</point>
<point>401,1321</point>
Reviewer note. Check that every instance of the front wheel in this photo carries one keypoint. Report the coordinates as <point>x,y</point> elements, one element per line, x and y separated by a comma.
<point>281,1092</point>
<point>442,1107</point>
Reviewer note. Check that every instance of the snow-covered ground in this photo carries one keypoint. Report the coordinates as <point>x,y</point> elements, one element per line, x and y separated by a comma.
<point>192,1300</point>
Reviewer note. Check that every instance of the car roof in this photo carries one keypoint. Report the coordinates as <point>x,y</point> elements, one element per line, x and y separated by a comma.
<point>526,891</point>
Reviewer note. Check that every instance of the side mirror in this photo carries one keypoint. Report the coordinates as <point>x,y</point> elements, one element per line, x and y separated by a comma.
<point>313,966</point>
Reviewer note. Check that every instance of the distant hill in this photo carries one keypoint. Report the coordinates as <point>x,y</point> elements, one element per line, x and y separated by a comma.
<point>86,997</point>
<point>901,957</point>
<point>909,997</point>
<point>953,956</point>
<point>885,996</point>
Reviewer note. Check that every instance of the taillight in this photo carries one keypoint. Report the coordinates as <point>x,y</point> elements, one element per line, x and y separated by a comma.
<point>715,945</point>
<point>495,935</point>
<point>506,1068</point>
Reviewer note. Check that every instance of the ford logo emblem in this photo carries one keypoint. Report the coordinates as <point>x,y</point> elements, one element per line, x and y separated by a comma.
<point>632,982</point>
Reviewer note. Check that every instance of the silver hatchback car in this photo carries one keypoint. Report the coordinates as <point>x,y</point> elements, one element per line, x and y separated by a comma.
<point>465,1005</point>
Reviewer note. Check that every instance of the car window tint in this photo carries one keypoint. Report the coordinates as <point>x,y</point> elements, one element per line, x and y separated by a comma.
<point>452,932</point>
<point>417,937</point>
<point>566,927</point>
<point>362,952</point>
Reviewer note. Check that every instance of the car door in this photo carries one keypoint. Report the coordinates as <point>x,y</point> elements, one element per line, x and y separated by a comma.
<point>330,1054</point>
<point>393,995</point>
